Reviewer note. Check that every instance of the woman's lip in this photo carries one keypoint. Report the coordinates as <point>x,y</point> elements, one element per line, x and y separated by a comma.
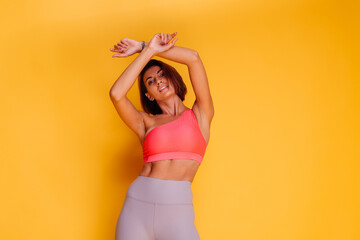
<point>163,88</point>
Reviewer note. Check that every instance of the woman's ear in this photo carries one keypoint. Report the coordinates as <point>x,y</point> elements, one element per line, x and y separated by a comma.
<point>149,97</point>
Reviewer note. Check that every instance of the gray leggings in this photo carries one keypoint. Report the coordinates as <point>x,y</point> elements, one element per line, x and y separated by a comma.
<point>157,209</point>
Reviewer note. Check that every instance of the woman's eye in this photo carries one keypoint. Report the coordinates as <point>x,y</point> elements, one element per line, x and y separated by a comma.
<point>150,82</point>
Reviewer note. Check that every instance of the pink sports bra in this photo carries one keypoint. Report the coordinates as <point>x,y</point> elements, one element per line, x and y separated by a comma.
<point>178,139</point>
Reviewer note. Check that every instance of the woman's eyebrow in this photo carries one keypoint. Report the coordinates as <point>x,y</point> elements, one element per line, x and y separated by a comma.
<point>151,76</point>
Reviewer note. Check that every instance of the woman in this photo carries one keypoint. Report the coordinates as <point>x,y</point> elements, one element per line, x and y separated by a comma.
<point>158,203</point>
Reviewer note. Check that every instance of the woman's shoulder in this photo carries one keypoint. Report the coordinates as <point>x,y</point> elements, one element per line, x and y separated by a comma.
<point>150,119</point>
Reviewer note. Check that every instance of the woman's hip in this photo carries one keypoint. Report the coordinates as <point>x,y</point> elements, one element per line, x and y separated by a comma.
<point>155,190</point>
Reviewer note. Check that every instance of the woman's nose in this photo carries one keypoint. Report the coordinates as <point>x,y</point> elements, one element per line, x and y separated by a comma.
<point>158,81</point>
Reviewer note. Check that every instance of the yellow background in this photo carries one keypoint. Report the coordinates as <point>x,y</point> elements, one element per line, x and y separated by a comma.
<point>283,161</point>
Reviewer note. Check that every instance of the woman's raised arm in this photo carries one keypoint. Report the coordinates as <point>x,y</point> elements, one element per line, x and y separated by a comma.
<point>132,117</point>
<point>203,103</point>
<point>176,54</point>
<point>156,46</point>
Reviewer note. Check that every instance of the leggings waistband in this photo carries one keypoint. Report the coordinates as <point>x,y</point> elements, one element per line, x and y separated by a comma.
<point>155,190</point>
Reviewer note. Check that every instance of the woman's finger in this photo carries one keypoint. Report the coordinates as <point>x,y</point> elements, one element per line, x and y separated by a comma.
<point>168,46</point>
<point>119,55</point>
<point>114,50</point>
<point>124,42</point>
<point>122,45</point>
<point>173,42</point>
<point>170,39</point>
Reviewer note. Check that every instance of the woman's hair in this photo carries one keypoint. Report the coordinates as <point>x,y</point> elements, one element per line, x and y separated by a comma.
<point>171,74</point>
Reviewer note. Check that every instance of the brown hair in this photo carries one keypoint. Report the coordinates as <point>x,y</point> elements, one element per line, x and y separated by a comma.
<point>170,73</point>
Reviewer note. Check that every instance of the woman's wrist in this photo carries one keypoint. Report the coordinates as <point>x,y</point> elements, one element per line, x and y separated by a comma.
<point>149,50</point>
<point>142,45</point>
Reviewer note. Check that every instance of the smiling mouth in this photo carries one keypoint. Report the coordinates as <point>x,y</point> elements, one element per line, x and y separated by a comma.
<point>162,88</point>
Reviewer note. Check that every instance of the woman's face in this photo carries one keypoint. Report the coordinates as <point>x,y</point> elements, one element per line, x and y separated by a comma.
<point>158,86</point>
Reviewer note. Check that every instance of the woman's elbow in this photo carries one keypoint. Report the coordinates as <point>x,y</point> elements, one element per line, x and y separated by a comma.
<point>115,95</point>
<point>195,56</point>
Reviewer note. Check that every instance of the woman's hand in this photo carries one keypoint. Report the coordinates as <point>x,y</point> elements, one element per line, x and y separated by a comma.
<point>161,42</point>
<point>126,47</point>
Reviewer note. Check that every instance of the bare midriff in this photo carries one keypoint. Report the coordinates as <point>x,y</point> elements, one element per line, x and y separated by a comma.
<point>172,169</point>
